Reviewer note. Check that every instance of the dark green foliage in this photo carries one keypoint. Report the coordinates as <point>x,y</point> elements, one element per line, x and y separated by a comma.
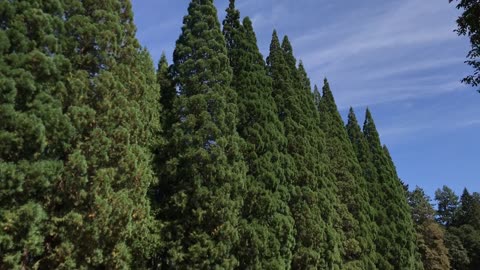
<point>313,194</point>
<point>457,253</point>
<point>34,130</point>
<point>205,173</point>
<point>469,25</point>
<point>168,93</point>
<point>396,236</point>
<point>266,229</point>
<point>461,219</point>
<point>466,228</point>
<point>352,188</point>
<point>101,216</point>
<point>370,174</point>
<point>430,235</point>
<point>316,97</point>
<point>80,152</point>
<point>469,211</point>
<point>447,205</point>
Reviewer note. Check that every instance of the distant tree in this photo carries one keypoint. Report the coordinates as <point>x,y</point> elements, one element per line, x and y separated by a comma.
<point>468,211</point>
<point>457,253</point>
<point>447,204</point>
<point>469,238</point>
<point>430,235</point>
<point>267,233</point>
<point>469,25</point>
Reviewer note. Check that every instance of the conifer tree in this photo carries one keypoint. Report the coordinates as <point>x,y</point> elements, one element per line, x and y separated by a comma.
<point>447,206</point>
<point>396,239</point>
<point>313,197</point>
<point>430,235</point>
<point>266,231</point>
<point>168,93</point>
<point>205,173</point>
<point>34,130</point>
<point>317,97</point>
<point>101,214</point>
<point>352,189</point>
<point>85,152</point>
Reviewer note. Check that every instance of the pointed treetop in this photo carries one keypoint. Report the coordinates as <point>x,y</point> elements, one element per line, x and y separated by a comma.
<point>317,97</point>
<point>288,51</point>
<point>286,45</point>
<point>163,63</point>
<point>352,118</point>
<point>369,128</point>
<point>327,93</point>
<point>275,43</point>
<point>233,16</point>
<point>247,24</point>
<point>231,5</point>
<point>303,76</point>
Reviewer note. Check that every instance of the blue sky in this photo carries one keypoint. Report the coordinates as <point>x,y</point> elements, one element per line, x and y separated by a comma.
<point>399,58</point>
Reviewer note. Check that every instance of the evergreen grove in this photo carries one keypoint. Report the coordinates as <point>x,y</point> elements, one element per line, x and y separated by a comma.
<point>222,159</point>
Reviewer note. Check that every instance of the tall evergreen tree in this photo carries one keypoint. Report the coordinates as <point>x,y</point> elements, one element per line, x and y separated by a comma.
<point>205,172</point>
<point>313,197</point>
<point>84,131</point>
<point>317,96</point>
<point>447,205</point>
<point>370,174</point>
<point>468,211</point>
<point>267,235</point>
<point>430,235</point>
<point>101,214</point>
<point>34,130</point>
<point>168,93</point>
<point>396,239</point>
<point>358,240</point>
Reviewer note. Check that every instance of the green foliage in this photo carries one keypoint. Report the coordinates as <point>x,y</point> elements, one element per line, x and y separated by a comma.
<point>79,96</point>
<point>396,236</point>
<point>313,201</point>
<point>356,223</point>
<point>266,228</point>
<point>430,235</point>
<point>168,93</point>
<point>204,175</point>
<point>447,205</point>
<point>469,25</point>
<point>254,171</point>
<point>457,253</point>
<point>34,130</point>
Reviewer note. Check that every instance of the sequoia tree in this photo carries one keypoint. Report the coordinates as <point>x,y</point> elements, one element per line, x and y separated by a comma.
<point>352,188</point>
<point>205,172</point>
<point>396,236</point>
<point>84,129</point>
<point>313,199</point>
<point>35,131</point>
<point>266,229</point>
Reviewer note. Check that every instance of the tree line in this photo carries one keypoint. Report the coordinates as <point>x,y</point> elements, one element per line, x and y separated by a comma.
<point>220,160</point>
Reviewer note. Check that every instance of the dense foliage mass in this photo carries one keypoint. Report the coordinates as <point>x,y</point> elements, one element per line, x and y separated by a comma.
<point>221,160</point>
<point>469,25</point>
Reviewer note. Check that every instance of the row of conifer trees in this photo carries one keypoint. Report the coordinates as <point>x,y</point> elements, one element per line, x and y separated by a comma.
<point>221,160</point>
